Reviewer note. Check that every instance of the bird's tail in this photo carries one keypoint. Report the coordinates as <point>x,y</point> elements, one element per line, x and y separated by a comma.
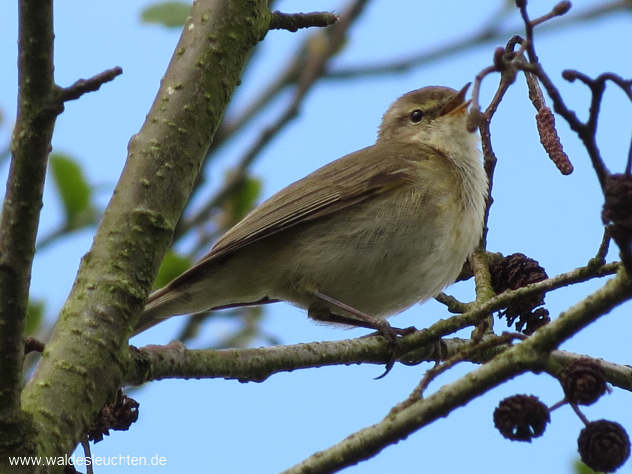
<point>159,305</point>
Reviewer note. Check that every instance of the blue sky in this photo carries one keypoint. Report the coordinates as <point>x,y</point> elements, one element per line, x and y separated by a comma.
<point>228,427</point>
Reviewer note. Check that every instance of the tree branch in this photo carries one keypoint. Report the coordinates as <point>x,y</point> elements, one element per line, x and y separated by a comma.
<point>452,304</point>
<point>92,84</point>
<point>483,121</point>
<point>175,361</point>
<point>415,412</point>
<point>30,146</point>
<point>73,379</point>
<point>294,21</point>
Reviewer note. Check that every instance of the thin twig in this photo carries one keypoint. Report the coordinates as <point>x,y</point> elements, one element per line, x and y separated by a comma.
<point>92,84</point>
<point>295,21</point>
<point>507,62</point>
<point>586,131</point>
<point>628,166</point>
<point>33,345</point>
<point>528,25</point>
<point>579,413</point>
<point>85,444</point>
<point>489,157</point>
<point>560,9</point>
<point>475,109</point>
<point>504,62</point>
<point>454,306</point>
<point>465,353</point>
<point>559,404</point>
<point>600,257</point>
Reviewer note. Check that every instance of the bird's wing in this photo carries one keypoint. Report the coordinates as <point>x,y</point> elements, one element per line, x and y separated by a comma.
<point>329,189</point>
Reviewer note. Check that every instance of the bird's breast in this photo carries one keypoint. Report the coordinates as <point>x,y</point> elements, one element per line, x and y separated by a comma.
<point>384,255</point>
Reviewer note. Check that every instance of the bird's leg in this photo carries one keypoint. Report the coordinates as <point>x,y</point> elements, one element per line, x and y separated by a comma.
<point>363,320</point>
<point>322,313</point>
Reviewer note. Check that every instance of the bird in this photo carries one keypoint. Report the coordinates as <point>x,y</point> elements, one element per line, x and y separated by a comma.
<point>359,239</point>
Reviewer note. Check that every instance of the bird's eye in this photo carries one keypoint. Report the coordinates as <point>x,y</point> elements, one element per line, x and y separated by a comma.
<point>416,115</point>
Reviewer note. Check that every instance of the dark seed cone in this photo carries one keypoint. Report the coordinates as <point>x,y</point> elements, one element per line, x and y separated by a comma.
<point>603,445</point>
<point>118,415</point>
<point>583,382</point>
<point>513,272</point>
<point>521,417</point>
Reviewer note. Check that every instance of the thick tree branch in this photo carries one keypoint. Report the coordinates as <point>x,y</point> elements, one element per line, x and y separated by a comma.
<point>30,146</point>
<point>616,374</point>
<point>83,363</point>
<point>175,361</point>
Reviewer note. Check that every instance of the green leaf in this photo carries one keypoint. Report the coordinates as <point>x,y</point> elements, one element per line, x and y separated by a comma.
<point>170,14</point>
<point>74,191</point>
<point>172,266</point>
<point>34,317</point>
<point>581,468</point>
<point>242,200</point>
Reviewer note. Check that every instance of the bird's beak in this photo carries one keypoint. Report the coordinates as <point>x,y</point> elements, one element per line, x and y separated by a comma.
<point>458,104</point>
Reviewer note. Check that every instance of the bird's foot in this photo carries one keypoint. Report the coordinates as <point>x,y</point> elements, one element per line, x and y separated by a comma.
<point>321,312</point>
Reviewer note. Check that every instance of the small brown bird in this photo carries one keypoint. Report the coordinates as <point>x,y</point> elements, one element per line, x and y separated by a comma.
<point>359,239</point>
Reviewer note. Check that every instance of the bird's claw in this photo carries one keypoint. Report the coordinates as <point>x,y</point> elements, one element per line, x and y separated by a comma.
<point>391,335</point>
